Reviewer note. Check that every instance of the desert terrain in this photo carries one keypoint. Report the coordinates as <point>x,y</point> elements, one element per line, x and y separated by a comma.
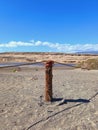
<point>22,104</point>
<point>37,57</point>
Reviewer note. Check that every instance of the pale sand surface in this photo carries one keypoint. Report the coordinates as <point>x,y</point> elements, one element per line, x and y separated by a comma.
<point>22,103</point>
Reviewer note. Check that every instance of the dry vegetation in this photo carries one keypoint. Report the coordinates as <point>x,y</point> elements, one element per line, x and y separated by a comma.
<point>36,57</point>
<point>89,64</point>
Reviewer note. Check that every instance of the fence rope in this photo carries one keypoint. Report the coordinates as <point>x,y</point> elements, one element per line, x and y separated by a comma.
<point>32,63</point>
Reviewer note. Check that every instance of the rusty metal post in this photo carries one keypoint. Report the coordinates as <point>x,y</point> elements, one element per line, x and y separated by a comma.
<point>48,78</point>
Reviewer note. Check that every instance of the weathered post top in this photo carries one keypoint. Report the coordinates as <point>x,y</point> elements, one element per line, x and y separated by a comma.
<point>48,77</point>
<point>49,63</point>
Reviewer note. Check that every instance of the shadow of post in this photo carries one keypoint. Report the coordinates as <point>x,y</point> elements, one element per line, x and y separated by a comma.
<point>65,101</point>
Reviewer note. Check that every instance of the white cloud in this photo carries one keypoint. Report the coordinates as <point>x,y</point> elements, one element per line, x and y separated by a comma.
<point>54,46</point>
<point>15,44</point>
<point>38,43</point>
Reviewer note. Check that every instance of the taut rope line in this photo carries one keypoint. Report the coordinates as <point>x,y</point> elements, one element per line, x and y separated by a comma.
<point>32,63</point>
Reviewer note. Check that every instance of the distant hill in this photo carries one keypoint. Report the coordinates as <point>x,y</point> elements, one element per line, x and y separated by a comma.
<point>88,52</point>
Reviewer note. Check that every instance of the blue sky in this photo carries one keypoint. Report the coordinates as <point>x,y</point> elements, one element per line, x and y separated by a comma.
<point>48,25</point>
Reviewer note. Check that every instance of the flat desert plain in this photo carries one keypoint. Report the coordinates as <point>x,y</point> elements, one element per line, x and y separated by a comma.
<point>74,105</point>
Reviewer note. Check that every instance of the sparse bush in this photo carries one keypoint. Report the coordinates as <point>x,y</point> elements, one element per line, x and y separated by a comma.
<point>89,64</point>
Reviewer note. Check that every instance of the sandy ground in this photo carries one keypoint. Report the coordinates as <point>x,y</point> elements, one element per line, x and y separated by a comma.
<point>36,57</point>
<point>22,105</point>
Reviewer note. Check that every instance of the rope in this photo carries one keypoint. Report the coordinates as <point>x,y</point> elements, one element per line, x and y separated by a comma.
<point>32,63</point>
<point>21,64</point>
<point>61,63</point>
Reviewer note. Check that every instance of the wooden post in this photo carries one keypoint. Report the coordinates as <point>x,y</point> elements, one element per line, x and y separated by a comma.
<point>48,77</point>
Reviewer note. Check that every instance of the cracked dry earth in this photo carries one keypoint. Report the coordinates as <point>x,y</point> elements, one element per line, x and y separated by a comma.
<point>22,105</point>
